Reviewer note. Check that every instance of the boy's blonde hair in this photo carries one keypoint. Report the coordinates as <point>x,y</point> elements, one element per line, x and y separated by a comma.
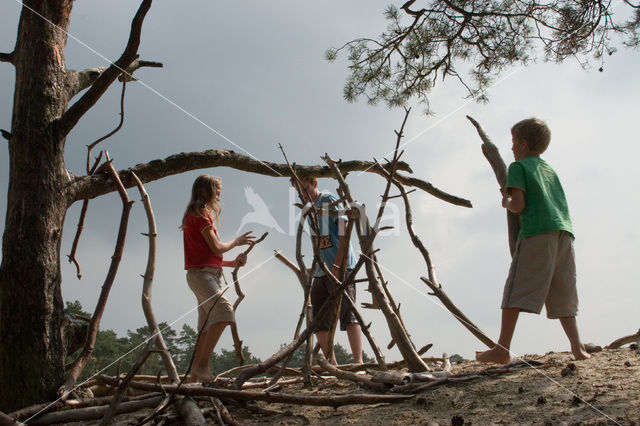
<point>202,198</point>
<point>534,132</point>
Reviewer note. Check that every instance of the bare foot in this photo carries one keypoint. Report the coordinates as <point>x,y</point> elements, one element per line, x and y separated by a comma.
<point>198,375</point>
<point>580,353</point>
<point>496,354</point>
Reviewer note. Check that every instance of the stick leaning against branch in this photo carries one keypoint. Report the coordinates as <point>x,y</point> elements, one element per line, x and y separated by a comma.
<point>492,154</point>
<point>237,343</point>
<point>147,283</point>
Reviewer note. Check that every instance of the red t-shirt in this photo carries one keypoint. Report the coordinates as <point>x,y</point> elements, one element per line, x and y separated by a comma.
<point>197,253</point>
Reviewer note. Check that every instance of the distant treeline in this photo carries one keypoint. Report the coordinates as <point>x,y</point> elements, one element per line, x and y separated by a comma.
<point>113,353</point>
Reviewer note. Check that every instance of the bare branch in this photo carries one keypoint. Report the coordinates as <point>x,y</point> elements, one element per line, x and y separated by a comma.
<point>6,57</point>
<point>624,340</point>
<point>94,186</point>
<point>147,283</point>
<point>81,361</point>
<point>71,117</point>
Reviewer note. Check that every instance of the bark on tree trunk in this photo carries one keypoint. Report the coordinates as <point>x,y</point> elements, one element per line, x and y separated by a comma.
<point>30,298</point>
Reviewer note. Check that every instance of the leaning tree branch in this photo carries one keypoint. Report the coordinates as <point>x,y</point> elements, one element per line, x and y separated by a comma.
<point>147,283</point>
<point>94,325</point>
<point>432,281</point>
<point>457,313</point>
<point>492,154</point>
<point>83,187</point>
<point>71,117</point>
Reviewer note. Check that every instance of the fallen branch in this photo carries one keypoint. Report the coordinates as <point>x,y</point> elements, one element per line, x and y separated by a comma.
<point>624,340</point>
<point>281,398</point>
<point>93,413</point>
<point>417,382</point>
<point>346,375</point>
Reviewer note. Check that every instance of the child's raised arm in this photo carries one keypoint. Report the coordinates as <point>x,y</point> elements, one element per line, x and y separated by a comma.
<point>218,247</point>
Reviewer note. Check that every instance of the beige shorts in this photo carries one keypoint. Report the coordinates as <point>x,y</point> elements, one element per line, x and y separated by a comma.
<point>205,284</point>
<point>543,272</point>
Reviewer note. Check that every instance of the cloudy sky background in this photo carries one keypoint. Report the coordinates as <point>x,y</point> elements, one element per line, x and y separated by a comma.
<point>254,72</point>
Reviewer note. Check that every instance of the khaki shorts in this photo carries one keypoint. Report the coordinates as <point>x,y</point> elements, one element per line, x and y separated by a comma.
<point>205,284</point>
<point>543,272</point>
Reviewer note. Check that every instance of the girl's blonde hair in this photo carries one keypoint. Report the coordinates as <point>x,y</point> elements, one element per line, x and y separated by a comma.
<point>203,199</point>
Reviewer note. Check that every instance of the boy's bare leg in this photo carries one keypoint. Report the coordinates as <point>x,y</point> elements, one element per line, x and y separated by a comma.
<point>323,341</point>
<point>354,334</point>
<point>500,353</point>
<point>570,327</point>
<point>200,368</point>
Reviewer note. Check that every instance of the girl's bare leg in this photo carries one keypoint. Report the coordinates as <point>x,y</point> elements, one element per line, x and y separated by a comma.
<point>200,369</point>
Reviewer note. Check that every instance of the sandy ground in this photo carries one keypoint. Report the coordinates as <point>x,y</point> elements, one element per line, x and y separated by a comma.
<point>601,391</point>
<point>604,390</point>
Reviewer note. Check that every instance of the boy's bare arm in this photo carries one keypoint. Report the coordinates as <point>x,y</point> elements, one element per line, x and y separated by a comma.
<point>513,199</point>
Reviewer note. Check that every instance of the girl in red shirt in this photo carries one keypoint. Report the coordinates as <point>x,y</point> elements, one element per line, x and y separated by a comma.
<point>203,261</point>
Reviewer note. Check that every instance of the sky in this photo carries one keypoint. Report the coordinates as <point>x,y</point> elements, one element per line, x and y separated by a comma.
<point>249,76</point>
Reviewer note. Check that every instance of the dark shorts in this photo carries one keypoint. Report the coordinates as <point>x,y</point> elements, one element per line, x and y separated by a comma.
<point>320,293</point>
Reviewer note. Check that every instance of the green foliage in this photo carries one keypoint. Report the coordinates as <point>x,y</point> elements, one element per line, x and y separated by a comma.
<point>421,46</point>
<point>456,359</point>
<point>113,354</point>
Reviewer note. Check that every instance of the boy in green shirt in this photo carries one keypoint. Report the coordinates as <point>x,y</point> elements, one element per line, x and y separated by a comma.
<point>543,268</point>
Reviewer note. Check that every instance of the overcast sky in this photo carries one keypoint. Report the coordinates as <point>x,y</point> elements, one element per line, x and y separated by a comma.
<point>248,76</point>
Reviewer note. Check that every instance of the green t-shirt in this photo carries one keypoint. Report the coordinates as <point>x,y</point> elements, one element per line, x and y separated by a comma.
<point>545,207</point>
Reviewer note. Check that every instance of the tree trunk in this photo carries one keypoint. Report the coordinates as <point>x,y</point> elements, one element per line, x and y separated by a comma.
<point>31,367</point>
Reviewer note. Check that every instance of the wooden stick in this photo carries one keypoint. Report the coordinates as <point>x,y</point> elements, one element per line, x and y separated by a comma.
<point>237,343</point>
<point>457,313</point>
